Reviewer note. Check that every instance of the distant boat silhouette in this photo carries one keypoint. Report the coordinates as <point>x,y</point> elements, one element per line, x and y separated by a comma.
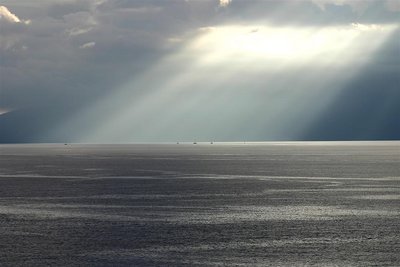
<point>194,143</point>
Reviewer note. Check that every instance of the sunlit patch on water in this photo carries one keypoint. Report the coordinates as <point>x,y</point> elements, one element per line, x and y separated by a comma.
<point>190,215</point>
<point>192,254</point>
<point>378,197</point>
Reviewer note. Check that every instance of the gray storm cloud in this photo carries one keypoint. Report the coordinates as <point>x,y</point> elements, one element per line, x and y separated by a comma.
<point>84,65</point>
<point>357,5</point>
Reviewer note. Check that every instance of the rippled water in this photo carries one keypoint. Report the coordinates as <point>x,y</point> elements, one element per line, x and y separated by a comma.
<point>257,204</point>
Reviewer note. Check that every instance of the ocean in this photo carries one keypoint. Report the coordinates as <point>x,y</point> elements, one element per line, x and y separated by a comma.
<point>220,204</point>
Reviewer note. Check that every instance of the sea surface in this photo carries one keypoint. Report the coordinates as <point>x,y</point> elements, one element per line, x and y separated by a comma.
<point>221,204</point>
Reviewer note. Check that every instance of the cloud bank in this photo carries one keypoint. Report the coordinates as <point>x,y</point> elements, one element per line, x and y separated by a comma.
<point>83,66</point>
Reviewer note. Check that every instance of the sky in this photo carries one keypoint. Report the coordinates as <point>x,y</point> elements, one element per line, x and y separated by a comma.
<point>119,71</point>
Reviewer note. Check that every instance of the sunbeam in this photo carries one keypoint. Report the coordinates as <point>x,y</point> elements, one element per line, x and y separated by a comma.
<point>280,70</point>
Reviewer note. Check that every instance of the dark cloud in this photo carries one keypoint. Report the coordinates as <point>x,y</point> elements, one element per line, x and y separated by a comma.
<point>310,12</point>
<point>368,107</point>
<point>61,9</point>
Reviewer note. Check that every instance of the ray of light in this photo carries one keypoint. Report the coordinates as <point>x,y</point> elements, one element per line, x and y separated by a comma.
<point>229,75</point>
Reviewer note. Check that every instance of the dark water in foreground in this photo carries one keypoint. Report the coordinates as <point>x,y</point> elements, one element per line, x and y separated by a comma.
<point>276,204</point>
